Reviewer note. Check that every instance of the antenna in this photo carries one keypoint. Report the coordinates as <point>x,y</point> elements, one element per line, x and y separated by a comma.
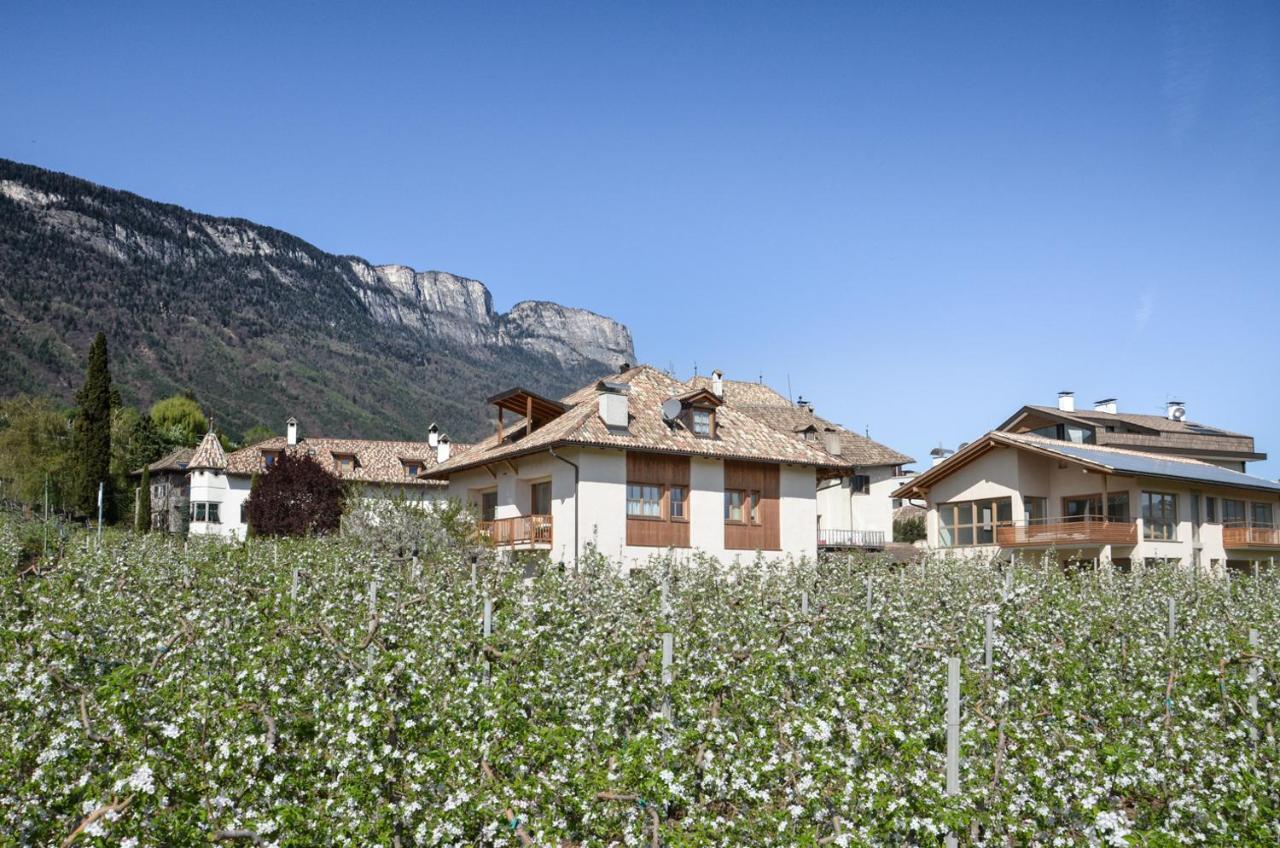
<point>789,400</point>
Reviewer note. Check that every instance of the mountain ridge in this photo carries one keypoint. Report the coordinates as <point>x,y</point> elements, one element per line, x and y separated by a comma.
<point>260,323</point>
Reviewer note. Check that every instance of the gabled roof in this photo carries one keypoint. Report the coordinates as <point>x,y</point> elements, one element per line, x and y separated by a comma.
<point>209,454</point>
<point>376,461</point>
<point>1096,457</point>
<point>175,460</point>
<point>738,435</point>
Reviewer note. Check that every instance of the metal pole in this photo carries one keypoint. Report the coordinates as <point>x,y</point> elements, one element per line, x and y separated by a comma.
<point>668,653</point>
<point>100,490</point>
<point>953,735</point>
<point>869,597</point>
<point>1255,673</point>
<point>45,547</point>
<point>487,629</point>
<point>804,602</point>
<point>1173,618</point>
<point>991,623</point>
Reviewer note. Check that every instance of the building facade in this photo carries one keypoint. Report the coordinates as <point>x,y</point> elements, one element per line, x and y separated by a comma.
<point>1047,482</point>
<point>377,470</point>
<point>641,465</point>
<point>169,491</point>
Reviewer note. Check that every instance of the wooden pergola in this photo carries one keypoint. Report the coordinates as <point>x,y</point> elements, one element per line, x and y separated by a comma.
<point>535,409</point>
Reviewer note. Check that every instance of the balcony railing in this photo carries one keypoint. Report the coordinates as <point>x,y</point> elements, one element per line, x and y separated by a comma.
<point>1250,536</point>
<point>868,539</point>
<point>1066,531</point>
<point>522,530</point>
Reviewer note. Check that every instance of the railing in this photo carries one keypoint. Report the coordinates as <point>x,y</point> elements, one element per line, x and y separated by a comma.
<point>521,530</point>
<point>871,539</point>
<point>1059,531</point>
<point>1250,536</point>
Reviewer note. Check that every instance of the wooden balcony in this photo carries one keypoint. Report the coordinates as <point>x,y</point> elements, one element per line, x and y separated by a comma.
<point>522,531</point>
<point>871,540</point>
<point>1250,536</point>
<point>1066,533</point>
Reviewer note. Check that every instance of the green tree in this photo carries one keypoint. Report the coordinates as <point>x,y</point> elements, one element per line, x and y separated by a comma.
<point>180,420</point>
<point>257,433</point>
<point>92,441</point>
<point>142,521</point>
<point>35,444</point>
<point>909,530</point>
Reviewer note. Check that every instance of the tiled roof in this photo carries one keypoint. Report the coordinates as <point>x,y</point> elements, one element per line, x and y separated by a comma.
<point>854,449</point>
<point>209,454</point>
<point>743,393</point>
<point>738,435</point>
<point>376,461</point>
<point>175,460</point>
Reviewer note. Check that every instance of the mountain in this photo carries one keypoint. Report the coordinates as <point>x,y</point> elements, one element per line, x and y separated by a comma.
<point>262,325</point>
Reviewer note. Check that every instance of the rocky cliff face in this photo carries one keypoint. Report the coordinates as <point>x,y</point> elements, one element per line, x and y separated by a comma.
<point>261,324</point>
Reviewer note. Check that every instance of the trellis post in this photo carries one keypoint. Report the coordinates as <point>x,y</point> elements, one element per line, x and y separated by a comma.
<point>486,628</point>
<point>991,623</point>
<point>804,602</point>
<point>1173,619</point>
<point>1255,673</point>
<point>953,735</point>
<point>668,655</point>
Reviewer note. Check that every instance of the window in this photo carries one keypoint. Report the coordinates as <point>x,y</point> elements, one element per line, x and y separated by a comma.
<point>679,510</point>
<point>345,462</point>
<point>1233,513</point>
<point>972,522</point>
<point>1081,507</point>
<point>412,468</point>
<point>644,501</point>
<point>1159,516</point>
<point>734,499</point>
<point>861,484</point>
<point>754,499</point>
<point>702,422</point>
<point>269,458</point>
<point>1260,514</point>
<point>540,498</point>
<point>1034,508</point>
<point>488,506</point>
<point>204,511</point>
<point>1211,510</point>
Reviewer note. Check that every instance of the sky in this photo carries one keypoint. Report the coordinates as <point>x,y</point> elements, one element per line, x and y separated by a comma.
<point>918,216</point>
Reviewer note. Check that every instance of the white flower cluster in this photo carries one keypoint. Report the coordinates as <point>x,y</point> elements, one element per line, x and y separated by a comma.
<point>167,693</point>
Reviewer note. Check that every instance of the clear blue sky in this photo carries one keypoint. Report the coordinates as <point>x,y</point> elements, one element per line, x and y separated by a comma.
<point>925,216</point>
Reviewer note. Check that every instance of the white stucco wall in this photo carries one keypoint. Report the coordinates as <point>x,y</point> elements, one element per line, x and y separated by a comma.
<point>839,507</point>
<point>229,493</point>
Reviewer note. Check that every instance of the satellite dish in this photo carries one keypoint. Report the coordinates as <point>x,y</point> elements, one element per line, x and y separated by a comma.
<point>1178,413</point>
<point>670,409</point>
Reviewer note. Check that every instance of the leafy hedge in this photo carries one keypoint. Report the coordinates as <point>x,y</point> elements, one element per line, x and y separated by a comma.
<point>155,696</point>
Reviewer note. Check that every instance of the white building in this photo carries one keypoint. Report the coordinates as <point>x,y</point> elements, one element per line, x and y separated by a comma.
<point>1103,485</point>
<point>219,483</point>
<point>643,464</point>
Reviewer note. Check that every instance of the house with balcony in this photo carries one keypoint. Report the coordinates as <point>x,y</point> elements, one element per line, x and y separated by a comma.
<point>855,510</point>
<point>641,464</point>
<point>1103,486</point>
<point>219,482</point>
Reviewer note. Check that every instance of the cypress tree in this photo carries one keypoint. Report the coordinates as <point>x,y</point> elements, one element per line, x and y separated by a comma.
<point>143,523</point>
<point>93,434</point>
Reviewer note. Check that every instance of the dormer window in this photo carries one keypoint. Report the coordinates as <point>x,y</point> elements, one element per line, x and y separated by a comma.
<point>412,467</point>
<point>702,419</point>
<point>270,458</point>
<point>345,462</point>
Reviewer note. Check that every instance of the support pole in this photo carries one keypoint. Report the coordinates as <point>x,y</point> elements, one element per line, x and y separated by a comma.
<point>1173,619</point>
<point>1255,674</point>
<point>668,655</point>
<point>101,486</point>
<point>991,624</point>
<point>953,735</point>
<point>804,602</point>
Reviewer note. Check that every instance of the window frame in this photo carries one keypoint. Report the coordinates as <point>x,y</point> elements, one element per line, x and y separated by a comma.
<point>694,414</point>
<point>860,484</point>
<point>683,500</point>
<point>974,526</point>
<point>658,501</point>
<point>1149,523</point>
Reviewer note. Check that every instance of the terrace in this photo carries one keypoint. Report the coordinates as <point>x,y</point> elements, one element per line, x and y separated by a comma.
<point>1084,531</point>
<point>1241,535</point>
<point>521,531</point>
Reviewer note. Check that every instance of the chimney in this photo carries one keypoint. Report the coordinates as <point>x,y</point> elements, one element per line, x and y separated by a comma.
<point>717,383</point>
<point>831,442</point>
<point>291,431</point>
<point>433,435</point>
<point>804,404</point>
<point>1107,405</point>
<point>614,406</point>
<point>939,454</point>
<point>1176,410</point>
<point>624,367</point>
<point>442,448</point>
<point>1067,401</point>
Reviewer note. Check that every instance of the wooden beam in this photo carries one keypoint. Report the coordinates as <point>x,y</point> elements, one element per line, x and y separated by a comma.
<point>499,425</point>
<point>528,415</point>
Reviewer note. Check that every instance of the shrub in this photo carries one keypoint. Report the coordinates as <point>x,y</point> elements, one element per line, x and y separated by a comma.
<point>296,497</point>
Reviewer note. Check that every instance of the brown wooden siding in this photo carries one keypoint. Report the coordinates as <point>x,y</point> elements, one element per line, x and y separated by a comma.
<point>665,471</point>
<point>762,478</point>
